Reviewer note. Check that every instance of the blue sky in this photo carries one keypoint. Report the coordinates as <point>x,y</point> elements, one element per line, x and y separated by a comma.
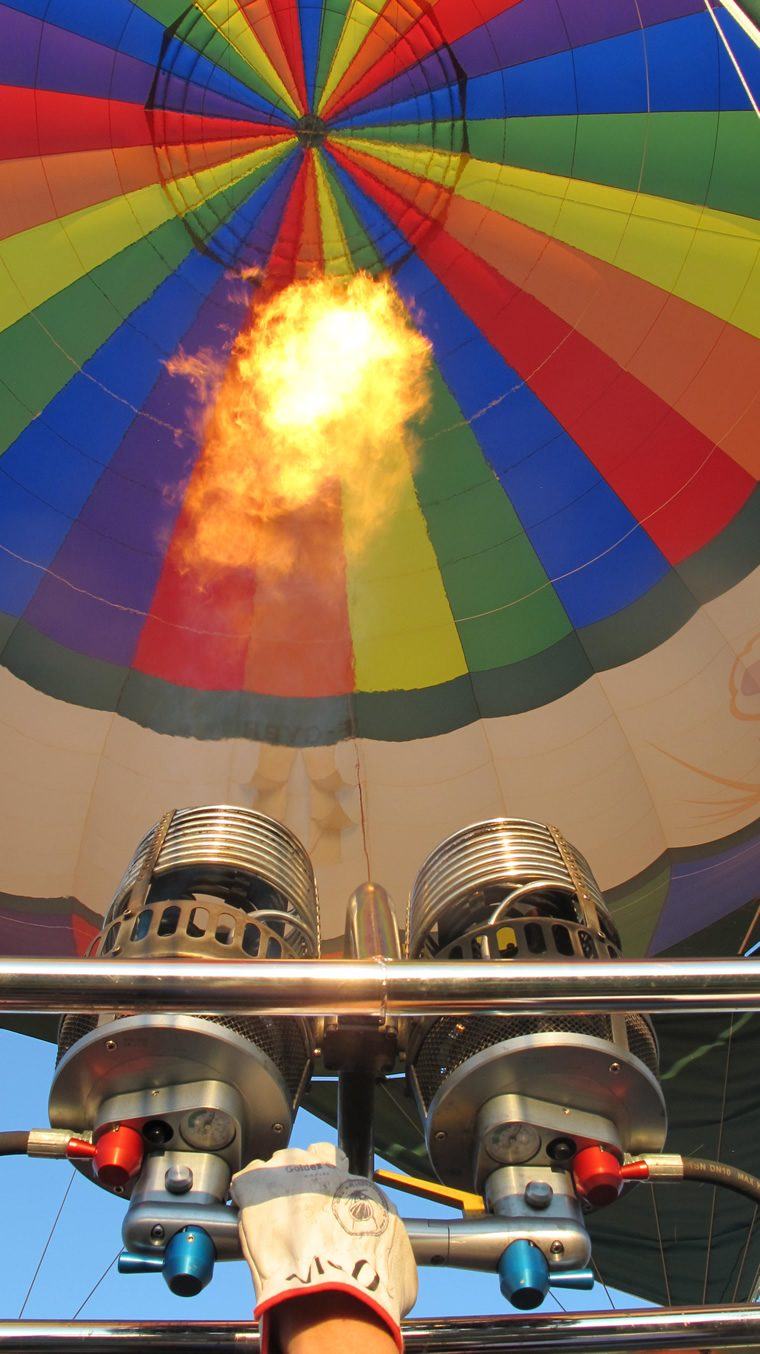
<point>88,1233</point>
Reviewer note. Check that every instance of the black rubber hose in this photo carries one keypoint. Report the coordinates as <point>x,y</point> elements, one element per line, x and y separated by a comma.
<point>14,1144</point>
<point>717,1173</point>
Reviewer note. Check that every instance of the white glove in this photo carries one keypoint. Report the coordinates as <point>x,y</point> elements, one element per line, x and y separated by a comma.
<point>307,1226</point>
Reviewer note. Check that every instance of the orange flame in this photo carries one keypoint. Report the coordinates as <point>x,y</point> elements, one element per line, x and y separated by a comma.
<point>318,401</point>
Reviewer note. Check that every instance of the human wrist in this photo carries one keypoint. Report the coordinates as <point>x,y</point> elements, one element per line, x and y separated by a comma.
<point>321,1323</point>
<point>294,1309</point>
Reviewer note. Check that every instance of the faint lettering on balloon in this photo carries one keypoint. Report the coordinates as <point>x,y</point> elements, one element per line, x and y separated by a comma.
<point>306,789</point>
<point>739,797</point>
<point>744,681</point>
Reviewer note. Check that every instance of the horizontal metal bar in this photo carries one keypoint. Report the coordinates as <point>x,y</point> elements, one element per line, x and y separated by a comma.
<point>378,987</point>
<point>714,1328</point>
<point>458,1243</point>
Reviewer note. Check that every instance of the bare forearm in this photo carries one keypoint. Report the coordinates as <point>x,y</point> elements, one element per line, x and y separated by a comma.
<point>326,1323</point>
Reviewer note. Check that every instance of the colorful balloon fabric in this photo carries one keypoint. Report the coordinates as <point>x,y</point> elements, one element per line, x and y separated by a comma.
<point>558,615</point>
<point>559,618</point>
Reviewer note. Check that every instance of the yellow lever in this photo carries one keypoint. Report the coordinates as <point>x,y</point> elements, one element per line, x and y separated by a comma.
<point>430,1189</point>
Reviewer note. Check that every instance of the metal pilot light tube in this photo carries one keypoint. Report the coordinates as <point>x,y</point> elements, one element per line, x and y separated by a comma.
<point>176,1103</point>
<point>363,1050</point>
<point>534,1111</point>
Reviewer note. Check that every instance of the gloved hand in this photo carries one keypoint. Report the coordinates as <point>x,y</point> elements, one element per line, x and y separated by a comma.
<point>307,1226</point>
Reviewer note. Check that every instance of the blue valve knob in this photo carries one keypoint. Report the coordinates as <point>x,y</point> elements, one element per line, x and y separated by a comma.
<point>189,1261</point>
<point>524,1275</point>
<point>132,1262</point>
<point>572,1278</point>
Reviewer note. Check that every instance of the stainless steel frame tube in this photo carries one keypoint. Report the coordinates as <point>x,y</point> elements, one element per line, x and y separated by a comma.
<point>378,987</point>
<point>629,1332</point>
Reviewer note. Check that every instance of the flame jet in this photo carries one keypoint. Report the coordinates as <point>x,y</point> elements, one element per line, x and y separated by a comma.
<point>323,388</point>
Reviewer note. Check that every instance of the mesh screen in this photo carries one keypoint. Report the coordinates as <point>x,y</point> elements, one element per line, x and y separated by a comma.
<point>286,1041</point>
<point>447,1043</point>
<point>71,1029</point>
<point>642,1042</point>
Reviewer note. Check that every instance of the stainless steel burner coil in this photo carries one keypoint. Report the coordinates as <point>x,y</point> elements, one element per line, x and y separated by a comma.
<point>471,878</point>
<point>250,861</point>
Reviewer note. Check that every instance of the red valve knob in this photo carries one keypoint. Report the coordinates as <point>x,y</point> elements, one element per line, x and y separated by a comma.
<point>597,1176</point>
<point>118,1156</point>
<point>78,1149</point>
<point>635,1170</point>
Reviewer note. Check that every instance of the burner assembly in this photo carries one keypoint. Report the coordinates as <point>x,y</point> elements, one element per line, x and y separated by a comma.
<point>175,1104</point>
<point>536,1112</point>
<point>531,1119</point>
